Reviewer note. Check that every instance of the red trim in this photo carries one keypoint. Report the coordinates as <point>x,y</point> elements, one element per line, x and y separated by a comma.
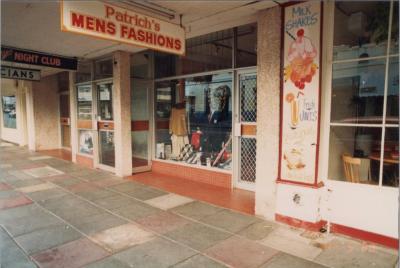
<point>296,183</point>
<point>84,161</point>
<point>365,235</point>
<point>312,226</point>
<point>280,179</point>
<point>140,125</point>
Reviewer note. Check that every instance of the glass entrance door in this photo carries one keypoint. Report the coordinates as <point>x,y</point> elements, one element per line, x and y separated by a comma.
<point>141,132</point>
<point>105,124</point>
<point>246,128</point>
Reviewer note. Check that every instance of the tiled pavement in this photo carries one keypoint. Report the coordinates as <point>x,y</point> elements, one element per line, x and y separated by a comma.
<point>57,214</point>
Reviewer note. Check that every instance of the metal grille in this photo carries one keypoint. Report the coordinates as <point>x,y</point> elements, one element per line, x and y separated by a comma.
<point>248,98</point>
<point>248,159</point>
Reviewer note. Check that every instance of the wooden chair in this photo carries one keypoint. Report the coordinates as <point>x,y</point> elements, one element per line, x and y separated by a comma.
<point>351,168</point>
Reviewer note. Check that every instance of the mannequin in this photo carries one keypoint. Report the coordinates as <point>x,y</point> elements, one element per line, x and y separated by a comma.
<point>178,128</point>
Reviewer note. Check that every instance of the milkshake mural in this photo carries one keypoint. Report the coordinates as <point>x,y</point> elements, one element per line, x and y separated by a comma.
<point>300,92</point>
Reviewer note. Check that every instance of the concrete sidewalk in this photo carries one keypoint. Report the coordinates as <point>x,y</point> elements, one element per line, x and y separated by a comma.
<point>57,214</point>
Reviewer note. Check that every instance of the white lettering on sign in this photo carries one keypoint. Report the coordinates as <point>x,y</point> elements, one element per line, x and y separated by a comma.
<point>115,23</point>
<point>20,73</point>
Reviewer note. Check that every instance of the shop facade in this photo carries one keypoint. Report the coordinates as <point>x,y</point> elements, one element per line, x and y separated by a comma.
<point>298,103</point>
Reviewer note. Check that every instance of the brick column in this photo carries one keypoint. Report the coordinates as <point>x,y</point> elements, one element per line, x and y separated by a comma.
<point>268,97</point>
<point>122,114</point>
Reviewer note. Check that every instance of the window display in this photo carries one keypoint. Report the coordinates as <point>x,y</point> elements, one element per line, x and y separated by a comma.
<point>194,120</point>
<point>105,101</point>
<point>9,112</point>
<point>85,102</point>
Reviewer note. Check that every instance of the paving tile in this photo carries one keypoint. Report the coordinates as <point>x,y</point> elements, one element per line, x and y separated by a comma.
<point>128,187</point>
<point>21,175</point>
<point>285,260</point>
<point>58,178</point>
<point>162,222</point>
<point>241,252</point>
<point>40,172</point>
<point>229,220</point>
<point>47,238</point>
<point>196,210</point>
<point>66,182</point>
<point>11,255</point>
<point>41,157</point>
<point>96,194</point>
<point>71,214</point>
<point>156,253</point>
<point>90,224</point>
<point>82,187</point>
<point>115,201</point>
<point>146,193</point>
<point>136,210</point>
<point>109,262</point>
<point>347,253</point>
<point>198,236</point>
<point>17,212</point>
<point>107,182</point>
<point>199,261</point>
<point>29,223</point>
<point>73,254</point>
<point>8,194</point>
<point>36,188</point>
<point>121,237</point>
<point>4,186</point>
<point>168,201</point>
<point>25,183</point>
<point>61,203</point>
<point>14,201</point>
<point>290,241</point>
<point>47,194</point>
<point>258,230</point>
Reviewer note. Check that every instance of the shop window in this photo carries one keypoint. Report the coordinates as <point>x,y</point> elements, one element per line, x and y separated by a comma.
<point>84,102</point>
<point>364,136</point>
<point>103,69</point>
<point>9,111</point>
<point>86,142</point>
<point>141,65</point>
<point>84,72</point>
<point>204,53</point>
<point>246,53</point>
<point>194,120</point>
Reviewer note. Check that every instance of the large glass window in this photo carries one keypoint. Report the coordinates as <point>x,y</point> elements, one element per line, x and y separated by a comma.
<point>364,136</point>
<point>246,52</point>
<point>194,120</point>
<point>105,107</point>
<point>9,111</point>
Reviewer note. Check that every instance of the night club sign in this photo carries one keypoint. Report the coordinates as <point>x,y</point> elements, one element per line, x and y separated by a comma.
<point>18,55</point>
<point>300,92</point>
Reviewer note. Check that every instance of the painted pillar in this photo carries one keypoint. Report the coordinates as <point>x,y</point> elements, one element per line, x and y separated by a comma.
<point>268,113</point>
<point>30,118</point>
<point>122,113</point>
<point>72,115</point>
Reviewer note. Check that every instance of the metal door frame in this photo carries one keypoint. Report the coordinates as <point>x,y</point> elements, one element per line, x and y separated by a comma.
<point>150,107</point>
<point>237,124</point>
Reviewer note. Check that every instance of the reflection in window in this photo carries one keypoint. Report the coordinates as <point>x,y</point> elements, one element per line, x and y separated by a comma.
<point>246,53</point>
<point>84,72</point>
<point>364,145</point>
<point>105,101</point>
<point>85,142</point>
<point>194,120</point>
<point>103,69</point>
<point>9,111</point>
<point>360,28</point>
<point>358,89</point>
<point>84,102</point>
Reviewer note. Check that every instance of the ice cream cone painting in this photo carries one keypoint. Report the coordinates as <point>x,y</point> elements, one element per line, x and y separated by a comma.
<point>301,56</point>
<point>300,91</point>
